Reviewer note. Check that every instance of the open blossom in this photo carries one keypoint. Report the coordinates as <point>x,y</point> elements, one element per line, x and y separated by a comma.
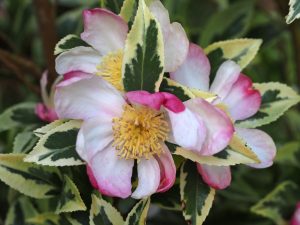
<point>296,217</point>
<point>237,97</point>
<point>45,110</point>
<point>118,130</point>
<point>106,33</point>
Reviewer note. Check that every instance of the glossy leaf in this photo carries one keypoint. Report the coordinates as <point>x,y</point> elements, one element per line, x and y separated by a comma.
<point>138,214</point>
<point>294,12</point>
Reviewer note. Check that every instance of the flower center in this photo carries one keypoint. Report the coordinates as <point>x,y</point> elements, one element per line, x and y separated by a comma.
<point>111,69</point>
<point>139,132</point>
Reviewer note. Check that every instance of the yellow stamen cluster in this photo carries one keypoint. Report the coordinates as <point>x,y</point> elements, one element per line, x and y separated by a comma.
<point>139,132</point>
<point>110,69</point>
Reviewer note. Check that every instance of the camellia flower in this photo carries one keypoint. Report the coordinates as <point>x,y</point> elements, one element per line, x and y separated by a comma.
<point>106,33</point>
<point>237,98</point>
<point>296,217</point>
<point>117,130</point>
<point>45,110</point>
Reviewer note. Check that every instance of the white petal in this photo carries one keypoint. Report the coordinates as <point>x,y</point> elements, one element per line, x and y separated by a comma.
<point>83,59</point>
<point>88,98</point>
<point>149,178</point>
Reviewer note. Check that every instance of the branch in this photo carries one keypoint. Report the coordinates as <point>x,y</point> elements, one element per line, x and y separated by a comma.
<point>45,12</point>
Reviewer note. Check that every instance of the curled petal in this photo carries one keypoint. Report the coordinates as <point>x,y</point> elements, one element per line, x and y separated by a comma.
<point>195,70</point>
<point>261,144</point>
<point>88,98</point>
<point>112,173</point>
<point>45,113</point>
<point>217,177</point>
<point>167,170</point>
<point>243,101</point>
<point>83,59</point>
<point>104,30</point>
<point>226,76</point>
<point>219,126</point>
<point>156,100</point>
<point>72,77</point>
<point>149,178</point>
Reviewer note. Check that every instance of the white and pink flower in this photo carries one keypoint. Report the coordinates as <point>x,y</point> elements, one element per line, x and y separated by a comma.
<point>106,33</point>
<point>237,97</point>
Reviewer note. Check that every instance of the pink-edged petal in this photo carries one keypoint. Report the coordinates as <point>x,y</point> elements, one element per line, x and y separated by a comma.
<point>175,40</point>
<point>149,178</point>
<point>261,144</point>
<point>226,76</point>
<point>83,59</point>
<point>80,148</point>
<point>72,77</point>
<point>92,177</point>
<point>112,173</point>
<point>219,126</point>
<point>195,70</point>
<point>88,98</point>
<point>45,113</point>
<point>296,217</point>
<point>217,177</point>
<point>167,170</point>
<point>242,101</point>
<point>156,100</point>
<point>187,129</point>
<point>97,133</point>
<point>104,30</point>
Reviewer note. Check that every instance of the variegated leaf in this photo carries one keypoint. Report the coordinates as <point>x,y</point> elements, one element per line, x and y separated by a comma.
<point>67,43</point>
<point>52,219</point>
<point>57,147</point>
<point>138,214</point>
<point>45,129</point>
<point>196,196</point>
<point>128,11</point>
<point>20,211</point>
<point>144,53</point>
<point>226,157</point>
<point>242,51</point>
<point>294,12</point>
<point>289,154</point>
<point>274,206</point>
<point>18,115</point>
<point>69,200</point>
<point>239,145</point>
<point>169,200</point>
<point>28,178</point>
<point>24,142</point>
<point>104,213</point>
<point>277,98</point>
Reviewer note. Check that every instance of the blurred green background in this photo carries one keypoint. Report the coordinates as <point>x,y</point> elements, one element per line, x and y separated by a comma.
<point>29,30</point>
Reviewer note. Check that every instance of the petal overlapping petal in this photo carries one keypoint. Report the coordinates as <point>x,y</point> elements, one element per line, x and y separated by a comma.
<point>195,70</point>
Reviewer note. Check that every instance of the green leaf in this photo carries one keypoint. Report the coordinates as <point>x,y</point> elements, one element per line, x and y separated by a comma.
<point>52,219</point>
<point>28,178</point>
<point>230,23</point>
<point>18,115</point>
<point>294,12</point>
<point>102,212</point>
<point>45,129</point>
<point>138,214</point>
<point>58,146</point>
<point>242,51</point>
<point>144,53</point>
<point>196,196</point>
<point>289,154</point>
<point>19,211</point>
<point>169,200</point>
<point>277,98</point>
<point>226,157</point>
<point>24,142</point>
<point>67,43</point>
<point>70,200</point>
<point>128,11</point>
<point>279,203</point>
